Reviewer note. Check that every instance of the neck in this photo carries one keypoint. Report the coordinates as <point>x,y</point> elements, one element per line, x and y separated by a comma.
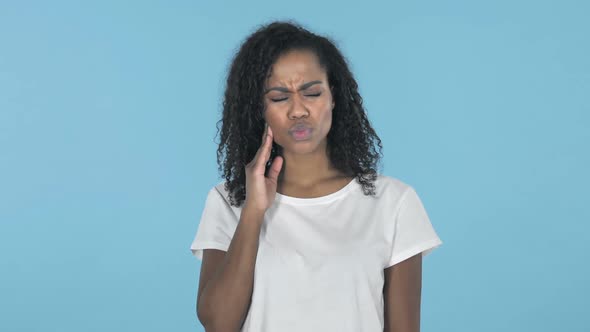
<point>305,170</point>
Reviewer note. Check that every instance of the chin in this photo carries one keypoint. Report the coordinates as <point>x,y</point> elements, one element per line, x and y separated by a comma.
<point>301,147</point>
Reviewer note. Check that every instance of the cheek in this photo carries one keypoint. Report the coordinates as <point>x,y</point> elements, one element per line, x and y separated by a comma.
<point>272,118</point>
<point>327,117</point>
<point>269,113</point>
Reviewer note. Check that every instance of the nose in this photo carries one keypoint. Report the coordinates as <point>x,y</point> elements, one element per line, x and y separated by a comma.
<point>298,108</point>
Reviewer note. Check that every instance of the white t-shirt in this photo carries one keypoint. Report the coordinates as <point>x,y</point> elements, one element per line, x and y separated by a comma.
<point>320,260</point>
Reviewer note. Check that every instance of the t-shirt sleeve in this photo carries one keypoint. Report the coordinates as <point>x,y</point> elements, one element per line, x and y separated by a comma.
<point>413,230</point>
<point>217,226</point>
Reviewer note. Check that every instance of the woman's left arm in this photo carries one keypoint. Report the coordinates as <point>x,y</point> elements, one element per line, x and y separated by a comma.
<point>401,295</point>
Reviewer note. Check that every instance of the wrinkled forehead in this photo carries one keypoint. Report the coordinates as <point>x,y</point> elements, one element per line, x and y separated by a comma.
<point>295,67</point>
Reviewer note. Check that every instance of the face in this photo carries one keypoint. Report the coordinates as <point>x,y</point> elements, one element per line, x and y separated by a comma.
<point>298,103</point>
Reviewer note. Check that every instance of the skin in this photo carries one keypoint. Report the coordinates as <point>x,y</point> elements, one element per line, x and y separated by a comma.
<point>304,170</point>
<point>401,295</point>
<point>307,171</point>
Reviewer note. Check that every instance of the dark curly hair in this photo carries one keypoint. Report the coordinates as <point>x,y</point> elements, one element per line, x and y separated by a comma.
<point>351,139</point>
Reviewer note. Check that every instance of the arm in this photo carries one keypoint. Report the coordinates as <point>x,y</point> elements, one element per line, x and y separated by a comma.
<point>401,295</point>
<point>226,281</point>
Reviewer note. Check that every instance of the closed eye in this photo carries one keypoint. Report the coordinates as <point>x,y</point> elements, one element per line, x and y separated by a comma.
<point>282,99</point>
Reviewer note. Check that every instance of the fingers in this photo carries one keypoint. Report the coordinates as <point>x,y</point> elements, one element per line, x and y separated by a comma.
<point>264,131</point>
<point>263,152</point>
<point>265,148</point>
<point>275,168</point>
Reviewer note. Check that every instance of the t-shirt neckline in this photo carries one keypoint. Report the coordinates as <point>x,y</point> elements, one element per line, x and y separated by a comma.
<point>280,198</point>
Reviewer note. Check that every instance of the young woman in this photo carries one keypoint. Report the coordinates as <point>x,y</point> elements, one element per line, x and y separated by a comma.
<point>304,234</point>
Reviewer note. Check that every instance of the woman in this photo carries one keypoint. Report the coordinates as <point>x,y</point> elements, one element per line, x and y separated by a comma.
<point>304,234</point>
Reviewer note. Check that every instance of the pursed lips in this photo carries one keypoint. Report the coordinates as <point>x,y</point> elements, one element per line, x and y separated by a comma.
<point>299,127</point>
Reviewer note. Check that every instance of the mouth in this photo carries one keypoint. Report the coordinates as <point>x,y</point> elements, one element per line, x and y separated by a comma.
<point>300,132</point>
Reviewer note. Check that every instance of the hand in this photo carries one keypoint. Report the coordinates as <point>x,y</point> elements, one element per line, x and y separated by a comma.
<point>261,190</point>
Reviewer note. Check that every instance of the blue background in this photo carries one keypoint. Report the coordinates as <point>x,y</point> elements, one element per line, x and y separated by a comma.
<point>107,126</point>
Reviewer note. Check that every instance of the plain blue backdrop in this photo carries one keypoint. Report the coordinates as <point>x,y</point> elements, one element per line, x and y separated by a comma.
<point>108,114</point>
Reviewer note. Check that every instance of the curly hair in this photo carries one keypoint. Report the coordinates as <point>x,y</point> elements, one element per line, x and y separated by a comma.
<point>351,140</point>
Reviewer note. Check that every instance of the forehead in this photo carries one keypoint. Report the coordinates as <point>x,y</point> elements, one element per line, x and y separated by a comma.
<point>295,67</point>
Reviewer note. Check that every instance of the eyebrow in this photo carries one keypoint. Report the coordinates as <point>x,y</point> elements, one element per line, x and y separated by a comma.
<point>302,87</point>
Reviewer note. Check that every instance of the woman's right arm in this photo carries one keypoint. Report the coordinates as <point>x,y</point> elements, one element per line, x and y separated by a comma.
<point>226,281</point>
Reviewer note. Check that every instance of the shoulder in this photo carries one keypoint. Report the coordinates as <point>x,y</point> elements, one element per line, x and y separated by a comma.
<point>219,192</point>
<point>390,187</point>
<point>220,188</point>
<point>218,200</point>
<point>389,193</point>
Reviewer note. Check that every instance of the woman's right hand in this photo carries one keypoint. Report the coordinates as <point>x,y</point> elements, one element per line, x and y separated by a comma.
<point>261,190</point>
